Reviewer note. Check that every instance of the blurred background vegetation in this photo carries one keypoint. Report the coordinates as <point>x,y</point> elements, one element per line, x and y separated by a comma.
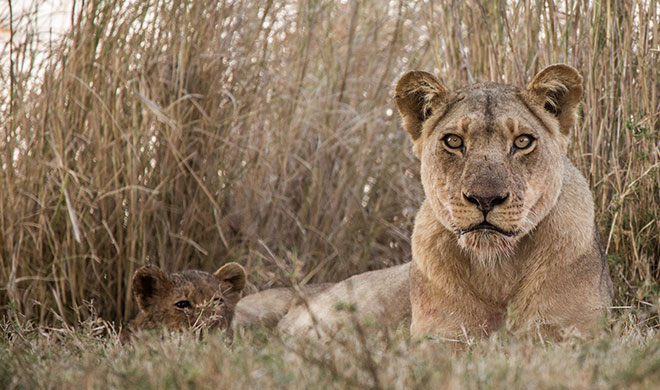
<point>192,133</point>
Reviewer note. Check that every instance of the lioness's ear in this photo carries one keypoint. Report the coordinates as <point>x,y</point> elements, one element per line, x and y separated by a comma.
<point>416,95</point>
<point>148,282</point>
<point>232,274</point>
<point>558,89</point>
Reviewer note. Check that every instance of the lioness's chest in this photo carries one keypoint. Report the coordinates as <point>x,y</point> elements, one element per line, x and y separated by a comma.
<point>495,283</point>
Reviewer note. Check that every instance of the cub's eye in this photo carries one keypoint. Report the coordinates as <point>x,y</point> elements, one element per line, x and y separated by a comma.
<point>523,141</point>
<point>183,305</point>
<point>453,141</point>
<point>218,300</point>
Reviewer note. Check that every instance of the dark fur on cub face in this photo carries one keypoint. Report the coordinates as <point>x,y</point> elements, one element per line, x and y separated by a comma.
<point>188,299</point>
<point>487,151</point>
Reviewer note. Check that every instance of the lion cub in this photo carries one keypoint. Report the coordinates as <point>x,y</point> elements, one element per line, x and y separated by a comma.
<point>190,299</point>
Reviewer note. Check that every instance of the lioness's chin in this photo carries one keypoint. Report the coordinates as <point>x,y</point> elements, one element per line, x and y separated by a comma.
<point>487,246</point>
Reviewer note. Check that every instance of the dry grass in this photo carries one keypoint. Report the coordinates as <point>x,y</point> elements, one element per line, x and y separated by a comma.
<point>92,357</point>
<point>194,133</point>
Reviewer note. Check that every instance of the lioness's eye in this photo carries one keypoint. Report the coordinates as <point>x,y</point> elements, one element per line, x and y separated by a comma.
<point>183,305</point>
<point>453,141</point>
<point>523,141</point>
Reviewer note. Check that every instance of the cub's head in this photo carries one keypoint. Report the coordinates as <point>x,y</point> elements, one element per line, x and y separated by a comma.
<point>491,155</point>
<point>189,299</point>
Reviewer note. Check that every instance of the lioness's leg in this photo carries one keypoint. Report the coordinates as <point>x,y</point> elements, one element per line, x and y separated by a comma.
<point>266,308</point>
<point>449,311</point>
<point>381,296</point>
<point>573,295</point>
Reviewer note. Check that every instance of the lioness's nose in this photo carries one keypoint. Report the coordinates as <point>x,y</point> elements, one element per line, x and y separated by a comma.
<point>485,203</point>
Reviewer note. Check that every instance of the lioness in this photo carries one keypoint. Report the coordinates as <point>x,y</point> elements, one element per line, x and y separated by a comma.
<point>190,299</point>
<point>507,225</point>
<point>508,221</point>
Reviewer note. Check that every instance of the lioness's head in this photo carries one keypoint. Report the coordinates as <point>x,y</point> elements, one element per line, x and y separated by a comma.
<point>189,299</point>
<point>490,154</point>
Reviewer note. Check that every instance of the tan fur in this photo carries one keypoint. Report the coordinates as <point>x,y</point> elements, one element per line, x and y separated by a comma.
<point>266,308</point>
<point>208,300</point>
<point>379,296</point>
<point>540,259</point>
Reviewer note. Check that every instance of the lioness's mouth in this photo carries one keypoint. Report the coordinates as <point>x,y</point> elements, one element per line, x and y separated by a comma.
<point>485,226</point>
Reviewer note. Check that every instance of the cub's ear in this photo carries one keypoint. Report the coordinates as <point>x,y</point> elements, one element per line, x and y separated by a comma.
<point>149,282</point>
<point>416,95</point>
<point>232,274</point>
<point>558,89</point>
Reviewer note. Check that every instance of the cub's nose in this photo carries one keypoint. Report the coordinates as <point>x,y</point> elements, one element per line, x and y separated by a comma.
<point>485,203</point>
